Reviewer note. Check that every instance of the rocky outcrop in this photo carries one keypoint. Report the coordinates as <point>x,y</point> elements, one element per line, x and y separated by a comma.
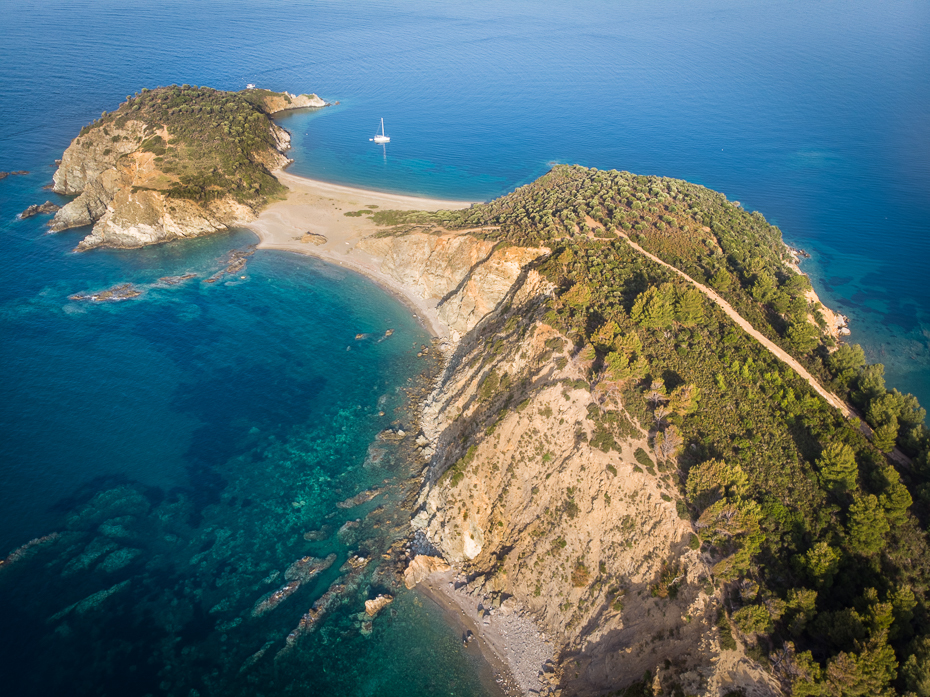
<point>117,194</point>
<point>359,499</point>
<point>37,209</point>
<point>275,102</point>
<point>373,607</point>
<point>466,277</point>
<point>129,189</point>
<point>122,291</point>
<point>421,567</point>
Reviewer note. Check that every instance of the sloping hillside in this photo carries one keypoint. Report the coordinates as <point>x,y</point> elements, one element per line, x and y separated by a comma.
<point>658,488</point>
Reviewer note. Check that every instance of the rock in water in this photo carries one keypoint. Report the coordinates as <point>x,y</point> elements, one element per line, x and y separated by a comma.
<point>28,549</point>
<point>272,600</point>
<point>47,207</point>
<point>306,568</point>
<point>421,567</point>
<point>358,499</point>
<point>373,607</point>
<point>123,291</point>
<point>175,280</point>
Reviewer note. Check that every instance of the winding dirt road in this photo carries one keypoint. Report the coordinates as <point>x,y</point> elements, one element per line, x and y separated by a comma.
<point>774,349</point>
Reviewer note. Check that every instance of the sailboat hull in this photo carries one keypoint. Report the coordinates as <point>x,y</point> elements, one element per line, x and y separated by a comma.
<point>382,139</point>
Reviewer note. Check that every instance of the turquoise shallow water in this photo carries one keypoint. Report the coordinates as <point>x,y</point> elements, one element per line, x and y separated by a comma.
<point>169,436</point>
<point>181,445</point>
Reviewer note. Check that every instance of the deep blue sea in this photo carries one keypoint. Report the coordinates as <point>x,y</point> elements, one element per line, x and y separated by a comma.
<point>184,441</point>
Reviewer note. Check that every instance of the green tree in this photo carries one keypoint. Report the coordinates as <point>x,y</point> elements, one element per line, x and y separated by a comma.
<point>803,336</point>
<point>805,673</point>
<point>846,361</point>
<point>867,525</point>
<point>867,673</point>
<point>883,409</point>
<point>885,435</point>
<point>895,498</point>
<point>821,563</point>
<point>721,280</point>
<point>903,602</point>
<point>734,528</point>
<point>915,673</point>
<point>654,307</point>
<point>579,296</point>
<point>798,284</point>
<point>764,287</point>
<point>837,465</point>
<point>781,302</point>
<point>909,412</point>
<point>871,383</point>
<point>753,619</point>
<point>623,365</point>
<point>801,609</point>
<point>605,336</point>
<point>713,480</point>
<point>689,307</point>
<point>684,399</point>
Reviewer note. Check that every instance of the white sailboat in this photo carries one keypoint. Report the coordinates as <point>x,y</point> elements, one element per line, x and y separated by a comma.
<point>381,138</point>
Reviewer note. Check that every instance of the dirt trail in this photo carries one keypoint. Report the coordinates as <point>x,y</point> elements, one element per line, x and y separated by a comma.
<point>777,351</point>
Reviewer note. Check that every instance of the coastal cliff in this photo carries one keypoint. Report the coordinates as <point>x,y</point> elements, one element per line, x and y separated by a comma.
<point>466,277</point>
<point>640,466</point>
<point>524,500</point>
<point>174,162</point>
<point>275,102</point>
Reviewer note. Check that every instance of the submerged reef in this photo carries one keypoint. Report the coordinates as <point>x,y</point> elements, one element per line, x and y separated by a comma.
<point>161,584</point>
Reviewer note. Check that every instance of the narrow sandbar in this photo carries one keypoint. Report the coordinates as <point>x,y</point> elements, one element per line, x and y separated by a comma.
<point>311,220</point>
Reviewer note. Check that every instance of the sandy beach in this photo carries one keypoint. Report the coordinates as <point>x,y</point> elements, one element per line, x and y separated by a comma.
<point>312,220</point>
<point>510,641</point>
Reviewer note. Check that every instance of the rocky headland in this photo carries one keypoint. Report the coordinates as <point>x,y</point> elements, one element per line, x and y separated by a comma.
<point>587,472</point>
<point>174,162</point>
<point>638,461</point>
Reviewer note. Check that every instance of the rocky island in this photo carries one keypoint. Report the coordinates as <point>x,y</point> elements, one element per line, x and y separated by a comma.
<point>174,162</point>
<point>650,465</point>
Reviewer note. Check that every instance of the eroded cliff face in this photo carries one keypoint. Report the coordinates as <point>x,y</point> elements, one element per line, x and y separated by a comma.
<point>121,191</point>
<point>465,276</point>
<point>126,189</point>
<point>525,499</point>
<point>284,101</point>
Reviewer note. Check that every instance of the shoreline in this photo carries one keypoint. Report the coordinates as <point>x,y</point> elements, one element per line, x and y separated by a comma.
<point>311,220</point>
<point>509,641</point>
<point>458,621</point>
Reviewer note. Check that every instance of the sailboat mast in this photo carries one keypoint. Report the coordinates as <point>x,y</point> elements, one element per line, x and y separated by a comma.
<point>382,125</point>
